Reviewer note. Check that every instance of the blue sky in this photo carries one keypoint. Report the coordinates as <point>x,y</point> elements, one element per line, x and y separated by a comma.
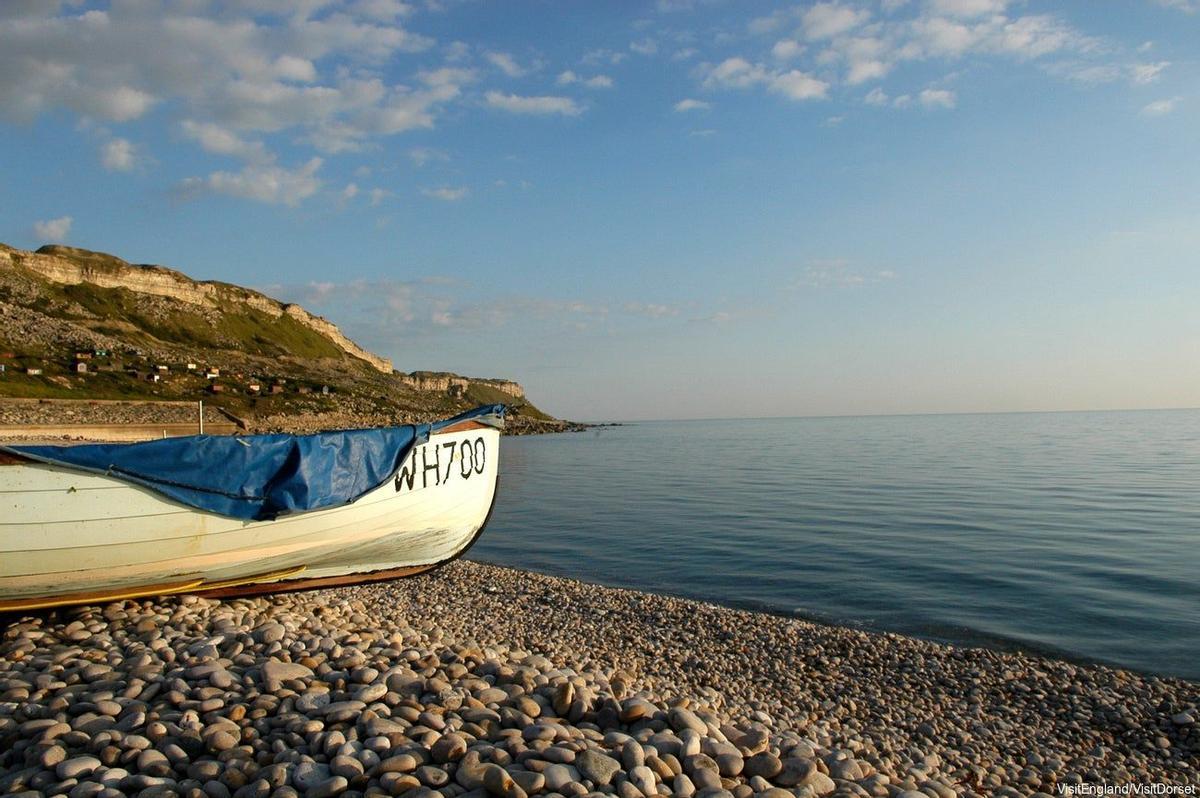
<point>688,208</point>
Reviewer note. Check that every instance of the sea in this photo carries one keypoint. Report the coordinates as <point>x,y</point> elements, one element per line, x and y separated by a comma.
<point>1070,534</point>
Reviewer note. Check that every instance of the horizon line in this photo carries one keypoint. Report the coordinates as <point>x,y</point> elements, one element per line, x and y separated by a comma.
<point>903,415</point>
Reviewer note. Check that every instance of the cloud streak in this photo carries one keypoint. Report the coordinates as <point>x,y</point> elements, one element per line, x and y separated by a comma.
<point>838,273</point>
<point>545,105</point>
<point>1162,107</point>
<point>447,193</point>
<point>270,183</point>
<point>53,229</point>
<point>118,155</point>
<point>238,72</point>
<point>738,73</point>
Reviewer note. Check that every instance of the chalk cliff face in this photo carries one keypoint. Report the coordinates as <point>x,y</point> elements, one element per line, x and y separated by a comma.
<point>271,362</point>
<point>442,382</point>
<point>71,266</point>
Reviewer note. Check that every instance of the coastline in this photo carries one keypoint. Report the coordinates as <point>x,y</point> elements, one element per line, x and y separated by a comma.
<point>137,419</point>
<point>424,681</point>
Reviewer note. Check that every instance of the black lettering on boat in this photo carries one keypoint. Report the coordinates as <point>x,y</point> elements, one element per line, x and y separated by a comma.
<point>465,469</point>
<point>480,455</point>
<point>407,472</point>
<point>449,459</point>
<point>426,467</point>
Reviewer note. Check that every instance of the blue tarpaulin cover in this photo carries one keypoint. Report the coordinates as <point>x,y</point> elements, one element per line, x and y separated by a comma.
<point>257,477</point>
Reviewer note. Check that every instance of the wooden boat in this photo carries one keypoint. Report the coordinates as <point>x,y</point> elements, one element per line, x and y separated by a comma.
<point>69,536</point>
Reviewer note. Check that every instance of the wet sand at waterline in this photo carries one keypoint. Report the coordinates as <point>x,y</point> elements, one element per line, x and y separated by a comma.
<point>479,680</point>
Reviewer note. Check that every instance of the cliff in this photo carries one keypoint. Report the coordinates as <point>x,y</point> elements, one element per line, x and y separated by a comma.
<point>83,325</point>
<point>444,381</point>
<point>73,266</point>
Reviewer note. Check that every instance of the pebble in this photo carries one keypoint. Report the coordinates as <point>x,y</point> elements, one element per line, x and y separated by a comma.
<point>77,767</point>
<point>558,776</point>
<point>335,785</point>
<point>497,781</point>
<point>448,748</point>
<point>597,767</point>
<point>764,764</point>
<point>414,688</point>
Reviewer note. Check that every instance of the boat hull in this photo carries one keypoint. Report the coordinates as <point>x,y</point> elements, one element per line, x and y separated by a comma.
<point>71,537</point>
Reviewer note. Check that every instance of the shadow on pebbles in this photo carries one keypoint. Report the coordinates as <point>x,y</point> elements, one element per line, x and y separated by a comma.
<point>484,682</point>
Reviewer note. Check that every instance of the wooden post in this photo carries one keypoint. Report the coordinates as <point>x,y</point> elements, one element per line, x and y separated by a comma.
<point>201,416</point>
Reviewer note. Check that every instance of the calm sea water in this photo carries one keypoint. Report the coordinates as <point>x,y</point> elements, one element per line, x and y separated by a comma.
<point>1071,533</point>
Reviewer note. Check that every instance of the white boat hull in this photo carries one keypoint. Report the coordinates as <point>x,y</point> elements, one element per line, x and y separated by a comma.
<point>68,536</point>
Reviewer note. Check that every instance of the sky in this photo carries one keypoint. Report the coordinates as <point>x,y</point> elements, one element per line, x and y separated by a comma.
<point>671,209</point>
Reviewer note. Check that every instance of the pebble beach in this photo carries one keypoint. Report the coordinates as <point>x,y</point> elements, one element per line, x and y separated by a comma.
<point>478,681</point>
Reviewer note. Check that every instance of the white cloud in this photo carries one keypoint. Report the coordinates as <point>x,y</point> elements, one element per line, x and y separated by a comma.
<point>826,20</point>
<point>423,155</point>
<point>53,229</point>
<point>506,64</point>
<point>735,73</point>
<point>937,98</point>
<point>1161,107</point>
<point>382,10</point>
<point>222,141</point>
<point>692,105</point>
<point>228,68</point>
<point>269,183</point>
<point>650,309</point>
<point>1139,74</point>
<point>350,191</point>
<point>457,51</point>
<point>717,317</point>
<point>940,37</point>
<point>954,29</point>
<point>1186,6</point>
<point>797,85</point>
<point>603,56</point>
<point>1032,37</point>
<point>838,273</point>
<point>377,196</point>
<point>118,155</point>
<point>769,23</point>
<point>644,47</point>
<point>595,82</point>
<point>738,73</point>
<point>447,193</point>
<point>927,98</point>
<point>1148,73</point>
<point>787,49</point>
<point>968,8</point>
<point>684,54</point>
<point>543,105</point>
<point>876,96</point>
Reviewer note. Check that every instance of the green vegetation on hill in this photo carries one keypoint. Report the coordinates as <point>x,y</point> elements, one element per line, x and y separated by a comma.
<point>103,342</point>
<point>243,328</point>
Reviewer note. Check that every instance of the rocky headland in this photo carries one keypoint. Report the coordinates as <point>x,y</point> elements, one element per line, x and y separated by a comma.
<point>78,325</point>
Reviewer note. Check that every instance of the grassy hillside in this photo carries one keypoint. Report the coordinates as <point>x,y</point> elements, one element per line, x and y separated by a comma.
<point>87,341</point>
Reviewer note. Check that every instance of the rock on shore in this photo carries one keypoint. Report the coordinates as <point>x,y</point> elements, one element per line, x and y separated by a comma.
<point>484,682</point>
